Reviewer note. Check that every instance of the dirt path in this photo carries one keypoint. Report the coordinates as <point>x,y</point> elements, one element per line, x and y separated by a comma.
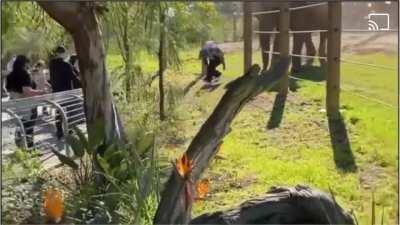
<point>357,43</point>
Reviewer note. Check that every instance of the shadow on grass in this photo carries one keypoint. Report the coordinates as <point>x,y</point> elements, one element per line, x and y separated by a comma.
<point>191,84</point>
<point>277,112</point>
<point>342,153</point>
<point>311,73</point>
<point>210,88</point>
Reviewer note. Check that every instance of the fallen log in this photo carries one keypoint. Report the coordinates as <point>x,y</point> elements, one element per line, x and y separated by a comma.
<point>282,205</point>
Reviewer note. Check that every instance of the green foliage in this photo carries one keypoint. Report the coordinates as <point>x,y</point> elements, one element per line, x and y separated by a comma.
<point>21,165</point>
<point>20,187</point>
<point>133,179</point>
<point>84,151</point>
<point>29,30</point>
<point>131,191</point>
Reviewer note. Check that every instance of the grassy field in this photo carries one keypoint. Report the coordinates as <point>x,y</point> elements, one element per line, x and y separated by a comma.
<point>292,144</point>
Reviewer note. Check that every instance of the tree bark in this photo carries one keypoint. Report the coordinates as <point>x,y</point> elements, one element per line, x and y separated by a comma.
<point>281,205</point>
<point>247,35</point>
<point>176,203</point>
<point>80,20</point>
<point>234,30</point>
<point>162,61</point>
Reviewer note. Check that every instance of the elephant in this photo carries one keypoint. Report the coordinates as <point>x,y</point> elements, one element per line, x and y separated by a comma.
<point>313,18</point>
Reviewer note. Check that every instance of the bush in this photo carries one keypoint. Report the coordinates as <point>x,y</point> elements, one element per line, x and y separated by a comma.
<point>21,185</point>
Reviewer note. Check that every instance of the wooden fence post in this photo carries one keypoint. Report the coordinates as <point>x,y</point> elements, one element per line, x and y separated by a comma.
<point>334,47</point>
<point>284,23</point>
<point>247,35</point>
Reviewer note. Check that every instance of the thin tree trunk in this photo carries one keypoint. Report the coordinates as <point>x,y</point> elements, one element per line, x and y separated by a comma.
<point>234,21</point>
<point>162,63</point>
<point>128,54</point>
<point>128,77</point>
<point>247,35</point>
<point>80,19</point>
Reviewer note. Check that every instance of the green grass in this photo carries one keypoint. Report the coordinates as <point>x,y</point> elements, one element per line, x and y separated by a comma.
<point>299,150</point>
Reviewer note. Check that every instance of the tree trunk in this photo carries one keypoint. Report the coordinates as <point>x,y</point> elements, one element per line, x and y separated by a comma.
<point>162,61</point>
<point>80,20</point>
<point>176,200</point>
<point>128,77</point>
<point>298,205</point>
<point>247,35</point>
<point>234,23</point>
<point>128,54</point>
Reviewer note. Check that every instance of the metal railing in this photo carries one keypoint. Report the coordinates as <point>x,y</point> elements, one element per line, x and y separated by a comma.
<point>42,114</point>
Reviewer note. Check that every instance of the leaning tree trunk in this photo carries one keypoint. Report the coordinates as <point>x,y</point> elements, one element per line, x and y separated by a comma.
<point>176,200</point>
<point>80,20</point>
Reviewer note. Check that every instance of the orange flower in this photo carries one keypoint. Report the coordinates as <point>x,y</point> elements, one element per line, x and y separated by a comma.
<point>53,205</point>
<point>202,189</point>
<point>184,166</point>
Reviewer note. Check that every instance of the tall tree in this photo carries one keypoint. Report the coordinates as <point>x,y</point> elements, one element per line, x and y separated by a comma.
<point>162,59</point>
<point>80,20</point>
<point>127,20</point>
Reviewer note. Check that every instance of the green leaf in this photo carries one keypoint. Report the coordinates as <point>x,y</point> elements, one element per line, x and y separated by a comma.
<point>144,142</point>
<point>65,160</point>
<point>76,145</point>
<point>104,164</point>
<point>96,134</point>
<point>82,138</point>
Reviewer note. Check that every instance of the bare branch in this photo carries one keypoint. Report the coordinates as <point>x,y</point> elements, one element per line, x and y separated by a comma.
<point>65,13</point>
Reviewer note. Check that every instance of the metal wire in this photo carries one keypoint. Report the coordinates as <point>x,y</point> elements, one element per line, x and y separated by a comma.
<point>307,31</point>
<point>309,56</point>
<point>290,9</point>
<point>353,93</point>
<point>265,12</point>
<point>379,31</point>
<point>266,32</point>
<point>307,6</point>
<point>342,60</point>
<point>323,31</point>
<point>296,55</point>
<point>367,64</point>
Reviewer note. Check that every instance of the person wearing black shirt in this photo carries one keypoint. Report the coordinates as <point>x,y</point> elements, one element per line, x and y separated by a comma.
<point>212,56</point>
<point>62,73</point>
<point>62,78</point>
<point>20,85</point>
<point>73,60</point>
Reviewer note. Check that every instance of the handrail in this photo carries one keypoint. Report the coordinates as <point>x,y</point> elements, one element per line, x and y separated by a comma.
<point>20,124</point>
<point>64,120</point>
<point>17,108</point>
